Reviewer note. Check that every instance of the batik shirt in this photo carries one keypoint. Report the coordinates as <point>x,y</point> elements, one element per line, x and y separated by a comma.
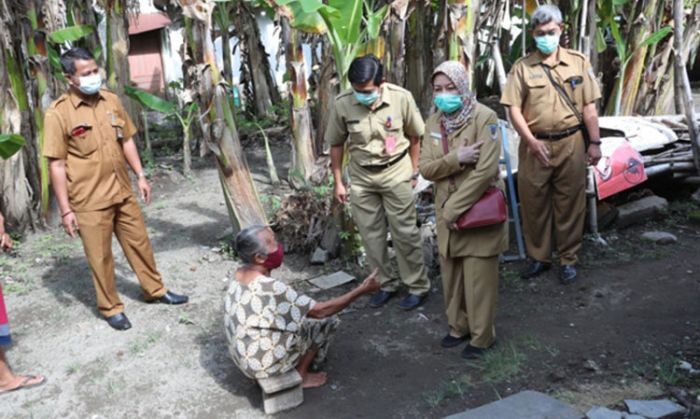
<point>263,321</point>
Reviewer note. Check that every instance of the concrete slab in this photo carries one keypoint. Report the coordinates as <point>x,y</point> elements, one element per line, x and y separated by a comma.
<point>524,405</point>
<point>280,382</point>
<point>640,210</point>
<point>332,280</point>
<point>283,400</point>
<point>599,412</point>
<point>659,237</point>
<point>655,409</point>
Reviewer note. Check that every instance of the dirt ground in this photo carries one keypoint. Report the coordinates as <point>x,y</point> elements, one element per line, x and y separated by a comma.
<point>618,333</point>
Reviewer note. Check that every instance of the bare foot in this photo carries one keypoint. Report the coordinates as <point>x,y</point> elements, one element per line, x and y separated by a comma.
<point>311,379</point>
<point>22,381</point>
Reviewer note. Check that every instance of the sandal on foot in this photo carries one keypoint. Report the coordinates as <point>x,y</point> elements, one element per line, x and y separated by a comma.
<point>26,383</point>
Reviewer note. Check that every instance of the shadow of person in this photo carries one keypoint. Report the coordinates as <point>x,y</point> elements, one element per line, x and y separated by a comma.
<point>70,280</point>
<point>215,359</point>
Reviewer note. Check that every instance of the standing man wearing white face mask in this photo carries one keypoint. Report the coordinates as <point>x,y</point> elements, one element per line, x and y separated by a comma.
<point>380,125</point>
<point>88,141</point>
<point>551,97</point>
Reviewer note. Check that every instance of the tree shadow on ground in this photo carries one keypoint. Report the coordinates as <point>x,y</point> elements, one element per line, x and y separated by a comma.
<point>70,280</point>
<point>171,235</point>
<point>216,361</point>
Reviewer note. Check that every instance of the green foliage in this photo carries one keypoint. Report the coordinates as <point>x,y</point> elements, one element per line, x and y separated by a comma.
<point>10,144</point>
<point>70,34</point>
<point>150,101</point>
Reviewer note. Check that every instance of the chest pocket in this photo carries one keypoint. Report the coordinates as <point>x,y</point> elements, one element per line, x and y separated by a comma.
<point>359,132</point>
<point>118,127</point>
<point>537,89</point>
<point>83,145</point>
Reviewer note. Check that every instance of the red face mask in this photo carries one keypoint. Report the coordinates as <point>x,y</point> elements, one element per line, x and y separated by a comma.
<point>274,259</point>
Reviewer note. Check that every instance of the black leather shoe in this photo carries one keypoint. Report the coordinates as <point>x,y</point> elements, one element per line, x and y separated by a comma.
<point>567,274</point>
<point>535,269</point>
<point>172,298</point>
<point>472,352</point>
<point>119,321</point>
<point>380,298</point>
<point>412,301</point>
<point>450,341</point>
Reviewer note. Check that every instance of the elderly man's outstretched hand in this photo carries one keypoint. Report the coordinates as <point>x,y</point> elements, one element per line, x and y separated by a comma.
<point>371,283</point>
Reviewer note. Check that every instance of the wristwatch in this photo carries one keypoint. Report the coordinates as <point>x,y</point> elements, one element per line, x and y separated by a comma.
<point>141,174</point>
<point>415,175</point>
<point>595,142</point>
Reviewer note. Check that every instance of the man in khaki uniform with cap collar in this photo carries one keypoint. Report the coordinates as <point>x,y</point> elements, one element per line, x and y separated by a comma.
<point>381,126</point>
<point>88,141</point>
<point>552,154</point>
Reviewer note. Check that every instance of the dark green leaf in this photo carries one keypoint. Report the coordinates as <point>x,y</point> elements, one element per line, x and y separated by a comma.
<point>374,22</point>
<point>70,34</point>
<point>10,144</point>
<point>150,101</point>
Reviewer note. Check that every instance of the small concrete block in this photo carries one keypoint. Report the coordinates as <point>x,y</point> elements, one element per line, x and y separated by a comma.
<point>655,409</point>
<point>696,196</point>
<point>524,405</point>
<point>599,412</point>
<point>332,280</point>
<point>638,211</point>
<point>280,382</point>
<point>659,237</point>
<point>320,257</point>
<point>628,416</point>
<point>283,400</point>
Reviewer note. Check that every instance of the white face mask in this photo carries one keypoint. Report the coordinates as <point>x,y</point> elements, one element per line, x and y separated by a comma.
<point>91,84</point>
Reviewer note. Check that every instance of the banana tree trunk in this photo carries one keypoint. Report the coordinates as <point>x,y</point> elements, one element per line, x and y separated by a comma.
<point>15,177</point>
<point>117,54</point>
<point>303,156</point>
<point>395,57</point>
<point>688,105</point>
<point>219,127</point>
<point>463,15</point>
<point>264,89</point>
<point>326,91</point>
<point>632,74</point>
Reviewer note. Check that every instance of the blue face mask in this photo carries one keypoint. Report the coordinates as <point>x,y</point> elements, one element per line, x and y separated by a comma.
<point>448,102</point>
<point>90,85</point>
<point>366,99</point>
<point>547,44</point>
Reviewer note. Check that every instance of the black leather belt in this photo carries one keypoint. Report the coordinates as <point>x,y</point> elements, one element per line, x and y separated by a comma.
<point>379,167</point>
<point>557,135</point>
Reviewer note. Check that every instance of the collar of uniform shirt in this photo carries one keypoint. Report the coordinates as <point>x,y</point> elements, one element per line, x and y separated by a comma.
<point>77,100</point>
<point>384,97</point>
<point>537,57</point>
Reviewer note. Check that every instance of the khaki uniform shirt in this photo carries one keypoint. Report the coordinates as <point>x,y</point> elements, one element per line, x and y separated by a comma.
<point>365,129</point>
<point>96,168</point>
<point>471,181</point>
<point>544,109</point>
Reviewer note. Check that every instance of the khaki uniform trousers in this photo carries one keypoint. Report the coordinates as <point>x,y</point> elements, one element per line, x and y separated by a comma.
<point>387,196</point>
<point>470,289</point>
<point>126,221</point>
<point>558,190</point>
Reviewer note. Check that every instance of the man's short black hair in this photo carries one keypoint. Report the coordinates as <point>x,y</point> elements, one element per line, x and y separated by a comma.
<point>69,58</point>
<point>366,68</point>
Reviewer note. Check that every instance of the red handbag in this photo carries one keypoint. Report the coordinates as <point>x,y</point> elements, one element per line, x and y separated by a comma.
<point>490,209</point>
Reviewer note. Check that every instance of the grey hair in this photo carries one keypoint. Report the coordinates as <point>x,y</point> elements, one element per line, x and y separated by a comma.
<point>545,14</point>
<point>248,244</point>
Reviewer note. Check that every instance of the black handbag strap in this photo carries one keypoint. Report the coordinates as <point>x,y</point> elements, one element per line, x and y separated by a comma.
<point>558,87</point>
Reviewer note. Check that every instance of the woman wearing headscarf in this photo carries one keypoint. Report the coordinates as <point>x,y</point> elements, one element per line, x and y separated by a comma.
<point>468,258</point>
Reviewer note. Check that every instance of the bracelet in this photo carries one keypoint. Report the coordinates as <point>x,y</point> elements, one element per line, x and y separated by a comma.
<point>141,174</point>
<point>595,142</point>
<point>66,213</point>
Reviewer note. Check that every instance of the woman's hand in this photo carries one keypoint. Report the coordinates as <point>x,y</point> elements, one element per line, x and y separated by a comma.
<point>469,154</point>
<point>371,283</point>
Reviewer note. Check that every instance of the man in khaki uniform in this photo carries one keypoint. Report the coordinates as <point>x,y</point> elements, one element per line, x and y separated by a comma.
<point>88,141</point>
<point>552,154</point>
<point>381,126</point>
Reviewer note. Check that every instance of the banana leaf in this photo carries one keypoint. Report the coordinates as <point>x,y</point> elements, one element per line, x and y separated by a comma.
<point>150,101</point>
<point>70,34</point>
<point>10,144</point>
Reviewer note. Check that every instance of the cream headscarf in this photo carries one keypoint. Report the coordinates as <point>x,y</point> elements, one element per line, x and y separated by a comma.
<point>455,71</point>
